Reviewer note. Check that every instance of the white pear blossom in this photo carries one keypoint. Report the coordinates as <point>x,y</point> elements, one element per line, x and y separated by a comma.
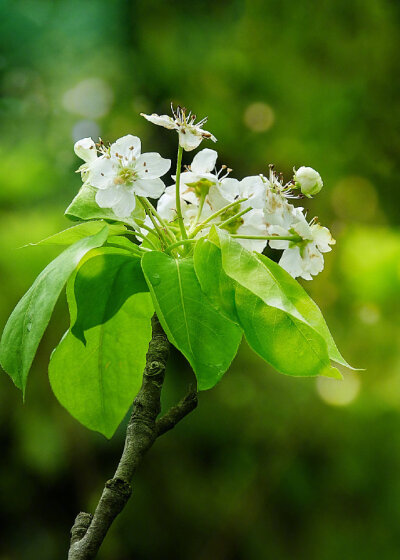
<point>304,257</point>
<point>201,177</point>
<point>122,172</point>
<point>190,133</point>
<point>308,181</point>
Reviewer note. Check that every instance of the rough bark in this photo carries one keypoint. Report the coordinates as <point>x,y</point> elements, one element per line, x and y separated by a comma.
<point>89,531</point>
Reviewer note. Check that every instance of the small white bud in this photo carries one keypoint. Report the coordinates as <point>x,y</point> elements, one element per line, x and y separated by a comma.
<point>86,149</point>
<point>308,181</point>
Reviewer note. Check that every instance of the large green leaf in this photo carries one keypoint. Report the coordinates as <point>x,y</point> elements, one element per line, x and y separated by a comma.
<point>207,339</point>
<point>274,286</point>
<point>97,383</point>
<point>306,306</point>
<point>289,345</point>
<point>85,207</point>
<point>215,283</point>
<point>31,316</point>
<point>75,233</point>
<point>102,285</point>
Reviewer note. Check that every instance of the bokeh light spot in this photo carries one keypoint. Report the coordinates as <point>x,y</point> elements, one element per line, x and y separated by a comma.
<point>339,392</point>
<point>369,314</point>
<point>85,129</point>
<point>91,98</point>
<point>354,198</point>
<point>259,117</point>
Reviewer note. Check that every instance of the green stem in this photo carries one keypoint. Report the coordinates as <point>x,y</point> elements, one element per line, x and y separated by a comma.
<point>179,243</point>
<point>147,228</point>
<point>178,193</point>
<point>137,251</point>
<point>148,209</point>
<point>162,222</point>
<point>233,218</point>
<point>215,215</point>
<point>199,211</point>
<point>296,238</point>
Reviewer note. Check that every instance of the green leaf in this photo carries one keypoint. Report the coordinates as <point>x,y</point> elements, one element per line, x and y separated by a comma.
<point>215,283</point>
<point>97,383</point>
<point>207,339</point>
<point>306,306</point>
<point>85,207</point>
<point>75,233</point>
<point>274,286</point>
<point>289,345</point>
<point>102,285</point>
<point>28,321</point>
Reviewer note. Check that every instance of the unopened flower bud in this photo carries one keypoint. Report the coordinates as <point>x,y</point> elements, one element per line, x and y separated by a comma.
<point>308,181</point>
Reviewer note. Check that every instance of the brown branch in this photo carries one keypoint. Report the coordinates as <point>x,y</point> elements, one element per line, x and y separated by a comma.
<point>88,532</point>
<point>177,413</point>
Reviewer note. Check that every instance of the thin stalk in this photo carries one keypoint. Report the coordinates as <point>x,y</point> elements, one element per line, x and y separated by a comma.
<point>144,237</point>
<point>162,222</point>
<point>137,251</point>
<point>178,193</point>
<point>215,215</point>
<point>200,210</point>
<point>296,238</point>
<point>179,243</point>
<point>146,205</point>
<point>233,218</point>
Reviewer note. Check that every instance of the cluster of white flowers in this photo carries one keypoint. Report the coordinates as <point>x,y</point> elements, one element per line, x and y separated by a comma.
<point>255,210</point>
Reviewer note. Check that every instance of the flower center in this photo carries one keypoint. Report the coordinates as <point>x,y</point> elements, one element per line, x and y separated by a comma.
<point>201,187</point>
<point>126,176</point>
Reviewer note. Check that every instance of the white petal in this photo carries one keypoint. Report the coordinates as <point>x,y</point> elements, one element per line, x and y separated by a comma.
<point>278,230</point>
<point>152,165</point>
<point>313,259</point>
<point>187,177</point>
<point>106,198</point>
<point>208,135</point>
<point>322,237</point>
<point>229,189</point>
<point>253,223</point>
<point>126,204</point>
<point>292,262</point>
<point>128,146</point>
<point>161,120</point>
<point>86,149</point>
<point>166,206</point>
<point>101,173</point>
<point>189,140</point>
<point>303,229</point>
<point>204,161</point>
<point>215,199</point>
<point>152,188</point>
<point>255,189</point>
<point>189,196</point>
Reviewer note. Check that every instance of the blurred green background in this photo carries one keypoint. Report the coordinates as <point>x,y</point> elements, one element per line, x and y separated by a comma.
<point>268,466</point>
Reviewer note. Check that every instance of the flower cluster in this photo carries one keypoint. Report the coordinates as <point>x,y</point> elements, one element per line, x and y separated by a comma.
<point>254,210</point>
